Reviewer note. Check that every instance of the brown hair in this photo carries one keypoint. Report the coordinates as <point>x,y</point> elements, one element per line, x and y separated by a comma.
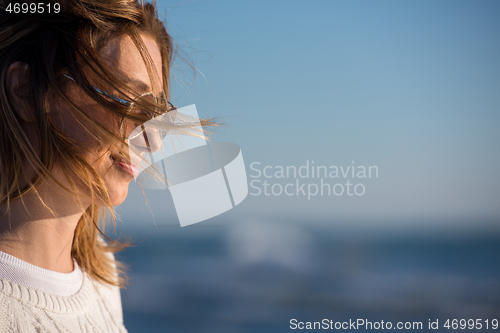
<point>55,46</point>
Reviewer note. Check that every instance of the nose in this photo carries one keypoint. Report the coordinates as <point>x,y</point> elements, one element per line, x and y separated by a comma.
<point>145,140</point>
<point>152,139</point>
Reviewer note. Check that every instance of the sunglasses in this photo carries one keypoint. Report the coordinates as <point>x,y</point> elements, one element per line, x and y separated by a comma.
<point>146,105</point>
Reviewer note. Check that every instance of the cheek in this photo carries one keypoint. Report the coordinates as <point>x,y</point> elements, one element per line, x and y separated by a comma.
<point>79,127</point>
<point>93,140</point>
<point>105,119</point>
<point>95,147</point>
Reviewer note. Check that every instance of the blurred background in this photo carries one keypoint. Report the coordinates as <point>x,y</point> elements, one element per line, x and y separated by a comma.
<point>411,87</point>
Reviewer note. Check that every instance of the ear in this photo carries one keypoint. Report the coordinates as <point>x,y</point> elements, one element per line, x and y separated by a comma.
<point>17,88</point>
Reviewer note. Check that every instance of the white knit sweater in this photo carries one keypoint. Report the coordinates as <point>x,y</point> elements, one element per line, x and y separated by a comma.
<point>94,308</point>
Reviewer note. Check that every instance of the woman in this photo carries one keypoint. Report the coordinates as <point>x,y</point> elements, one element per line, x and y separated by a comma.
<point>74,84</point>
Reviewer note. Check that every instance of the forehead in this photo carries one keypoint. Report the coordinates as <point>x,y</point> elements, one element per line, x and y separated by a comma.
<point>122,53</point>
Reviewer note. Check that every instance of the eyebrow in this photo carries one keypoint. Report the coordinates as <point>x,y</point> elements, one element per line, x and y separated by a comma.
<point>138,84</point>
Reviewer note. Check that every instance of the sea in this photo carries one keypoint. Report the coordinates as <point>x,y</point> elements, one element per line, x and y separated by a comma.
<point>277,277</point>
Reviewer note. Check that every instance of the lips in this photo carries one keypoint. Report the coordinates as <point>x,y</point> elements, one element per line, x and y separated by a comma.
<point>124,165</point>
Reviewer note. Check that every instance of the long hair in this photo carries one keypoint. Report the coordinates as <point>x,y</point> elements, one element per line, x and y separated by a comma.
<point>56,46</point>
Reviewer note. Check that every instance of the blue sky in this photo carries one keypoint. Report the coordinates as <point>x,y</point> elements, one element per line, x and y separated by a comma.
<point>412,87</point>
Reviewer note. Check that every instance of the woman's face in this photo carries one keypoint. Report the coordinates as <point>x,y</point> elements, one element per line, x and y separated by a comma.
<point>114,168</point>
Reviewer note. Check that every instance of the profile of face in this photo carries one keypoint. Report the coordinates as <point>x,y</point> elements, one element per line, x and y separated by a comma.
<point>115,169</point>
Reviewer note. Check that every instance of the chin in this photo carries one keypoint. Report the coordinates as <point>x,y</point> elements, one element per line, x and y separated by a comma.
<point>117,197</point>
<point>120,200</point>
<point>117,187</point>
<point>117,193</point>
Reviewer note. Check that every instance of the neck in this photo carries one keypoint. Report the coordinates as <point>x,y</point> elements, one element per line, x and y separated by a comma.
<point>41,233</point>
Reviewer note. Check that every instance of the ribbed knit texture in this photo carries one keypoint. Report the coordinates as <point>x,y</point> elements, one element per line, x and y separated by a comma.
<point>94,308</point>
<point>25,274</point>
